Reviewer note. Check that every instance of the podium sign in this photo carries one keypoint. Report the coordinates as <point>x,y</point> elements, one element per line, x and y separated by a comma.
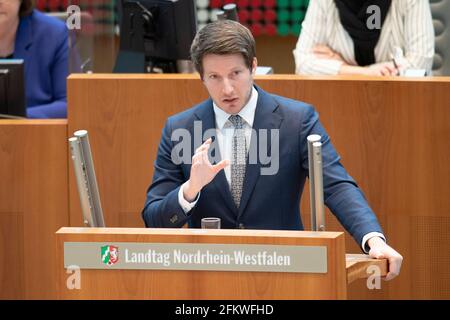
<point>196,256</point>
<point>187,264</point>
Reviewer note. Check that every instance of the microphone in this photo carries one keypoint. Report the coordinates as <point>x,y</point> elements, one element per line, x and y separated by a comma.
<point>221,15</point>
<point>316,182</point>
<point>231,11</point>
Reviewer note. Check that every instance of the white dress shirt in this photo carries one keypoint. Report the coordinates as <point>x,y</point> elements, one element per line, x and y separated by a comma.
<point>224,134</point>
<point>225,129</point>
<point>408,25</point>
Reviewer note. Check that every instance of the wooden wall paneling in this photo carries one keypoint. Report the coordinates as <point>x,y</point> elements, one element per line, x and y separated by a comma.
<point>33,204</point>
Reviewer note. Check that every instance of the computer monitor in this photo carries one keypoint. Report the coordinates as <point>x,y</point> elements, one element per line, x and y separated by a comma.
<point>155,34</point>
<point>12,88</point>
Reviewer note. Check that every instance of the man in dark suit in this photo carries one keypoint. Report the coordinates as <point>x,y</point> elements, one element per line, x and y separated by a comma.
<point>231,175</point>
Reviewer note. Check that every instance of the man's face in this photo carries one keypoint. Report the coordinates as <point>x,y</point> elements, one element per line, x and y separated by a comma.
<point>228,80</point>
<point>9,11</point>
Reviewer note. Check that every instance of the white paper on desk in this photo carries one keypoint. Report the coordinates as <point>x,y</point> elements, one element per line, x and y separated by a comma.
<point>414,73</point>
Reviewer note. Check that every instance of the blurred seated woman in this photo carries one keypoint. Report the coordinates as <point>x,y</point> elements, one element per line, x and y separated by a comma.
<point>42,42</point>
<point>338,37</point>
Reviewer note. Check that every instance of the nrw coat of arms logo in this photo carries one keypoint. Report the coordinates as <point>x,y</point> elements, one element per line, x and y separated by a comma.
<point>110,255</point>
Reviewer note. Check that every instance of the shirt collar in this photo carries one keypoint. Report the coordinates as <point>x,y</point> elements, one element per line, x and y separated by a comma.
<point>247,112</point>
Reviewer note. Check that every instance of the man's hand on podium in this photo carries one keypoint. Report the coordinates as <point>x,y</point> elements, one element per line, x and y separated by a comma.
<point>381,250</point>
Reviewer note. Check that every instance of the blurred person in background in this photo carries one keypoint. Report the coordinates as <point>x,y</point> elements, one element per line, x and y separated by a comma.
<point>338,37</point>
<point>42,42</point>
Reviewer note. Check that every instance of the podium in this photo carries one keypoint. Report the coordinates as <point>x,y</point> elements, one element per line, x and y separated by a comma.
<point>199,264</point>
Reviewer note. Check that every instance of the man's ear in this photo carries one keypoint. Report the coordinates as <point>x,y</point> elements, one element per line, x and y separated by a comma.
<point>254,65</point>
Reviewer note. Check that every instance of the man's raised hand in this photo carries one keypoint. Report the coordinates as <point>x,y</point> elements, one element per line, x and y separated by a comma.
<point>202,171</point>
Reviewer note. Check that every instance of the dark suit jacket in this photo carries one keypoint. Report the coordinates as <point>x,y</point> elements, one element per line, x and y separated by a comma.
<point>42,42</point>
<point>268,201</point>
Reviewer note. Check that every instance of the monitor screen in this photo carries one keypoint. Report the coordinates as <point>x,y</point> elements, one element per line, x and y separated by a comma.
<point>12,88</point>
<point>155,33</point>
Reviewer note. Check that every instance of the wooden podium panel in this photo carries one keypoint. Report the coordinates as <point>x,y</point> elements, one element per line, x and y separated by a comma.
<point>392,135</point>
<point>170,284</point>
<point>33,205</point>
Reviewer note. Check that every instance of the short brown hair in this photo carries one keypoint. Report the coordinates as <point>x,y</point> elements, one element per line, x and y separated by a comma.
<point>26,7</point>
<point>223,37</point>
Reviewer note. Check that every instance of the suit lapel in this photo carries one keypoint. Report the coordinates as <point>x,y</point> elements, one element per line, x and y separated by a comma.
<point>266,117</point>
<point>24,40</point>
<point>205,114</point>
